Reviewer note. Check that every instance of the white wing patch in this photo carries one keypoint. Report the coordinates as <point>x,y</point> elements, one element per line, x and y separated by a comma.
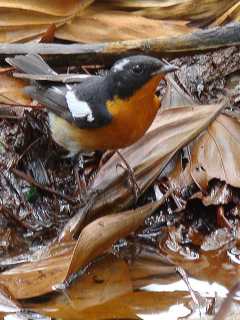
<point>78,108</point>
<point>119,66</point>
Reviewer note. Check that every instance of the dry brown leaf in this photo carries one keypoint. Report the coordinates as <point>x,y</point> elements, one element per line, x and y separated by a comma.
<point>216,153</point>
<point>202,10</point>
<point>47,268</point>
<point>35,278</point>
<point>180,179</point>
<point>22,33</point>
<point>105,280</point>
<point>175,96</point>
<point>212,267</point>
<point>11,90</point>
<point>41,276</point>
<point>17,17</point>
<point>102,22</point>
<point>12,18</point>
<point>57,7</point>
<point>100,25</point>
<point>99,235</point>
<point>137,4</point>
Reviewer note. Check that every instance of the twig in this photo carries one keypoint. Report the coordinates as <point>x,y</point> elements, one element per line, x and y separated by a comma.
<point>19,105</point>
<point>222,312</point>
<point>75,54</point>
<point>10,117</point>
<point>26,151</point>
<point>30,180</point>
<point>184,276</point>
<point>135,186</point>
<point>61,77</point>
<point>222,220</point>
<point>15,220</point>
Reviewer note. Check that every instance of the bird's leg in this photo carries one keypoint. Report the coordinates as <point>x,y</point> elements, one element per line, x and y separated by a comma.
<point>80,177</point>
<point>135,187</point>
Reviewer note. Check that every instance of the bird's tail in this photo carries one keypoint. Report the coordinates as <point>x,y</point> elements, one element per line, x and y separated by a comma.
<point>31,64</point>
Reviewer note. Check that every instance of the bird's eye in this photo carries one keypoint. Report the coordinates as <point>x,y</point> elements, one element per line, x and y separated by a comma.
<point>137,69</point>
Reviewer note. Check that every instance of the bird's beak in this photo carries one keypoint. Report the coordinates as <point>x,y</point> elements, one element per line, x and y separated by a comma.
<point>166,68</point>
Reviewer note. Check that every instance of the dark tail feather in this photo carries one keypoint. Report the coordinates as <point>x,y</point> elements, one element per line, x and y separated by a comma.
<point>31,64</point>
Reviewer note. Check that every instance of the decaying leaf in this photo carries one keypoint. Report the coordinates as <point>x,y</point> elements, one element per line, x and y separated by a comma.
<point>26,20</point>
<point>216,153</point>
<point>11,90</point>
<point>96,237</point>
<point>98,25</point>
<point>36,278</point>
<point>22,33</point>
<point>13,18</point>
<point>41,276</point>
<point>57,8</point>
<point>107,279</point>
<point>110,21</point>
<point>175,96</point>
<point>203,10</point>
<point>180,179</point>
<point>11,93</point>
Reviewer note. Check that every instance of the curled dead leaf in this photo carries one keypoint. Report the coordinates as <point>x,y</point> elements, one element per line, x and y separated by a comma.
<point>57,8</point>
<point>175,96</point>
<point>98,25</point>
<point>39,277</point>
<point>17,17</point>
<point>99,235</point>
<point>205,10</point>
<point>216,153</point>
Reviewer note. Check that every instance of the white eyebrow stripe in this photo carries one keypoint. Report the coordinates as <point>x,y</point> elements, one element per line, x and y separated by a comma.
<point>78,108</point>
<point>120,65</point>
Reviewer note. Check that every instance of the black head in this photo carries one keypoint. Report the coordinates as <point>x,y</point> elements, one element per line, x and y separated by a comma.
<point>131,73</point>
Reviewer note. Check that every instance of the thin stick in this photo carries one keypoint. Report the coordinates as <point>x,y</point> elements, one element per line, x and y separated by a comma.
<point>76,54</point>
<point>222,312</point>
<point>135,186</point>
<point>19,105</point>
<point>30,180</point>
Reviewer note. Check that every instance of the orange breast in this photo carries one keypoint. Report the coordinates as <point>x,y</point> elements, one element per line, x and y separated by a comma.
<point>131,118</point>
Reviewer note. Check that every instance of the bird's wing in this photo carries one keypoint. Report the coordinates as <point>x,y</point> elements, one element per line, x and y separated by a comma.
<point>82,103</point>
<point>76,108</point>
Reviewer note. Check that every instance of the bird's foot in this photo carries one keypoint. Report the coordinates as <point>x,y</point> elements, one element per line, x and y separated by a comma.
<point>132,178</point>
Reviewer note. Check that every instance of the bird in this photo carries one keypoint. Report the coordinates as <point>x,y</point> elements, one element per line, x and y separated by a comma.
<point>97,112</point>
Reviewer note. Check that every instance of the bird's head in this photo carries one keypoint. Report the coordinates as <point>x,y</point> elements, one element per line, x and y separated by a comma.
<point>132,73</point>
